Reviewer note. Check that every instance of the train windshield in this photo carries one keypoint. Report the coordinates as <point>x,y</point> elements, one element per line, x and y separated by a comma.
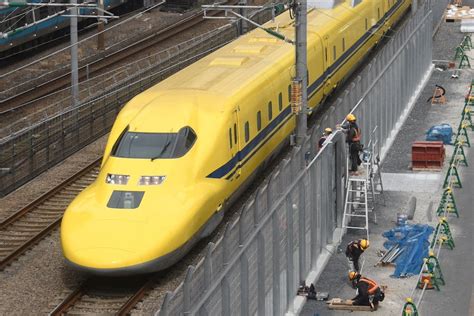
<point>154,145</point>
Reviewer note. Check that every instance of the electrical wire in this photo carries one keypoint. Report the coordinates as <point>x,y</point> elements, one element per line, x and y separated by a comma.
<point>347,24</point>
<point>83,40</point>
<point>105,95</point>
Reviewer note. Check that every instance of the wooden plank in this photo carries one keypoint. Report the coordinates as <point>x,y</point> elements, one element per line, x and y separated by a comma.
<point>349,307</point>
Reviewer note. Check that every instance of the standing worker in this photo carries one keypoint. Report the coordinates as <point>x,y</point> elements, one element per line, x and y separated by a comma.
<point>327,132</point>
<point>368,292</point>
<point>354,250</point>
<point>353,140</point>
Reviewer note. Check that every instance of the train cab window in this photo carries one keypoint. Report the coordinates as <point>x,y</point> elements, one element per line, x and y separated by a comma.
<point>154,145</point>
<point>326,53</point>
<point>270,110</point>
<point>334,53</point>
<point>378,13</point>
<point>366,24</point>
<point>280,101</point>
<point>235,133</point>
<point>259,120</point>
<point>289,92</point>
<point>230,137</point>
<point>343,44</point>
<point>247,131</point>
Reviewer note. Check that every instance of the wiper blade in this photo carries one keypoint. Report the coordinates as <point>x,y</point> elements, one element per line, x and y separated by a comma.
<point>162,151</point>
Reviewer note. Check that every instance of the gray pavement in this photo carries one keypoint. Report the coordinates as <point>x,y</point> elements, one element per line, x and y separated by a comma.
<point>455,298</point>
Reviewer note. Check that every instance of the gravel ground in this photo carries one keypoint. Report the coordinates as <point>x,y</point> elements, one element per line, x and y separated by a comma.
<point>54,176</point>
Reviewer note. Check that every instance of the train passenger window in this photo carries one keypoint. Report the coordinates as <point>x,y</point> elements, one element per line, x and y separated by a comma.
<point>343,44</point>
<point>270,110</point>
<point>280,101</point>
<point>378,13</point>
<point>154,145</point>
<point>366,24</point>
<point>230,137</point>
<point>259,120</point>
<point>326,53</point>
<point>334,52</point>
<point>247,131</point>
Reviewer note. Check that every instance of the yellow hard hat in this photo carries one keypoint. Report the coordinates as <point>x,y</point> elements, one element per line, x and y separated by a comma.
<point>364,244</point>
<point>351,117</point>
<point>328,130</point>
<point>353,275</point>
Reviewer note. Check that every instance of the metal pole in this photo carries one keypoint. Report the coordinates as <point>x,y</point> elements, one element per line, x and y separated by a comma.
<point>301,69</point>
<point>243,23</point>
<point>74,58</point>
<point>100,28</point>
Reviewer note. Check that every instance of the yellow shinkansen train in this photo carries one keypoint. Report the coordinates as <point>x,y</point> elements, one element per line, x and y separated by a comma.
<point>182,151</point>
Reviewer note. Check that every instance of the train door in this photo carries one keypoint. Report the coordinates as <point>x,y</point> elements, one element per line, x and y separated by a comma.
<point>234,138</point>
<point>327,65</point>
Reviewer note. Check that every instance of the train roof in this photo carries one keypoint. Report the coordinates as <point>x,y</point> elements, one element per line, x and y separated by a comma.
<point>247,60</point>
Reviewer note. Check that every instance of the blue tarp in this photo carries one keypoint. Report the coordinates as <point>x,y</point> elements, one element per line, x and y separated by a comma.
<point>442,132</point>
<point>414,240</point>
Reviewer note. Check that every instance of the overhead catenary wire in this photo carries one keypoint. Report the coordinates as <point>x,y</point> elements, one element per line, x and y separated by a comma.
<point>110,93</point>
<point>109,73</point>
<point>83,40</point>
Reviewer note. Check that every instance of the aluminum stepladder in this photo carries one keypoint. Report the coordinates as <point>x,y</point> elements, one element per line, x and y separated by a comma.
<point>360,190</point>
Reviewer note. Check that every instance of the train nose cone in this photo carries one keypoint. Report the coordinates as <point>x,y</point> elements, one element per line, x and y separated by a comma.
<point>103,258</point>
<point>103,244</point>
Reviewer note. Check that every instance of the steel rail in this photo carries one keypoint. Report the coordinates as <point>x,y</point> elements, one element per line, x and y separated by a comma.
<point>129,302</point>
<point>47,228</point>
<point>24,98</point>
<point>136,298</point>
<point>70,300</point>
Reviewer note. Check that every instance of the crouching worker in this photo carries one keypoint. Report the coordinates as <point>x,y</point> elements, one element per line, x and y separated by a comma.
<point>353,252</point>
<point>368,292</point>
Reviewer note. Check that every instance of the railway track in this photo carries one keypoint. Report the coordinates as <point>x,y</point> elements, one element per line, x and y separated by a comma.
<point>117,296</point>
<point>25,228</point>
<point>62,79</point>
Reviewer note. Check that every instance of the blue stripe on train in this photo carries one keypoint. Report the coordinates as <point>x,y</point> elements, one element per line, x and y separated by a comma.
<point>258,141</point>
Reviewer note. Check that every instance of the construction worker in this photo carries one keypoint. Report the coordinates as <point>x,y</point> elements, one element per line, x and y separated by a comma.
<point>354,250</point>
<point>327,132</point>
<point>368,292</point>
<point>353,140</point>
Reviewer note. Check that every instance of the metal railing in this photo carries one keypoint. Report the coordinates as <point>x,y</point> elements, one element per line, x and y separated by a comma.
<point>283,232</point>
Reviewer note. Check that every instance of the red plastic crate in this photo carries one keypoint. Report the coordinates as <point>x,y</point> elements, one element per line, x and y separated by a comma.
<point>427,155</point>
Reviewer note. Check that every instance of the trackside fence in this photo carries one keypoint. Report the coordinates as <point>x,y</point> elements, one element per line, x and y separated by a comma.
<point>286,230</point>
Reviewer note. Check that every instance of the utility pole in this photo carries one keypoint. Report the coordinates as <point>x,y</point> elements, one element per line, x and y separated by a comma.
<point>243,27</point>
<point>74,56</point>
<point>100,28</point>
<point>301,69</point>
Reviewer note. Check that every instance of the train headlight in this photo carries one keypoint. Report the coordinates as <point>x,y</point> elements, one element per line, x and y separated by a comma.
<point>151,180</point>
<point>117,179</point>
